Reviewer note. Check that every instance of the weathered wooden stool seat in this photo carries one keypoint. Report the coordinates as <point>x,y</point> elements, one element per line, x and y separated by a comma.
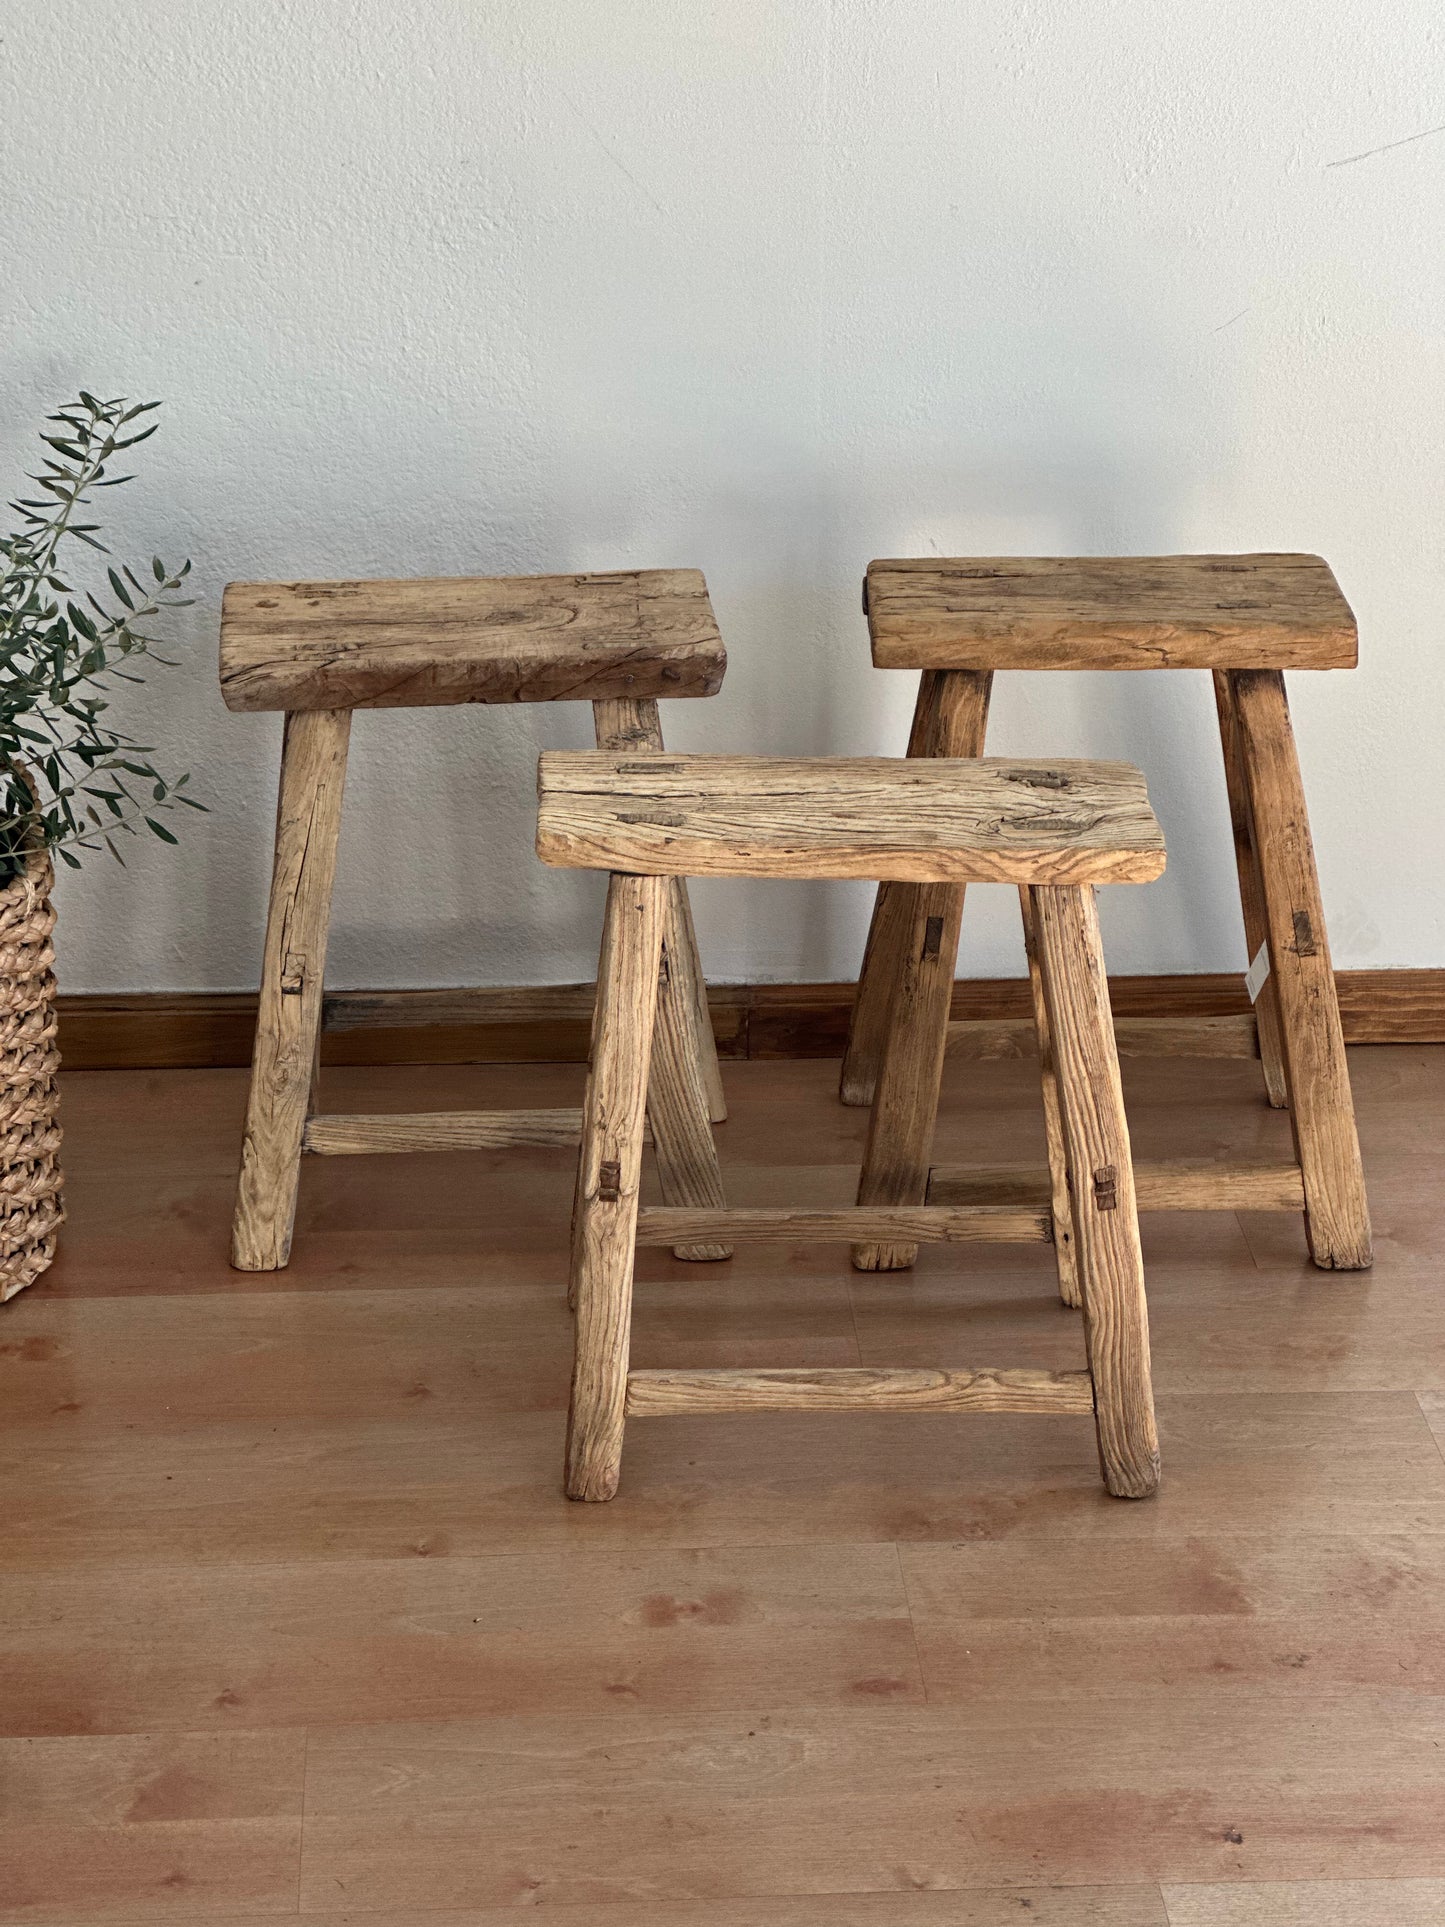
<point>1109,612</point>
<point>639,634</point>
<point>1246,618</point>
<point>319,650</point>
<point>992,820</point>
<point>1055,831</point>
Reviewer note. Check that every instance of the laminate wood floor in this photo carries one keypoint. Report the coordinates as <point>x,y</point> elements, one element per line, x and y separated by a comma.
<point>296,1620</point>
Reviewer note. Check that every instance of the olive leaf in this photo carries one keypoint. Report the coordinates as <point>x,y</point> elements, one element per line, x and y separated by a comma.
<point>63,772</point>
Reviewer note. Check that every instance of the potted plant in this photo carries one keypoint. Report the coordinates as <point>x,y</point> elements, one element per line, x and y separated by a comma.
<point>69,781</point>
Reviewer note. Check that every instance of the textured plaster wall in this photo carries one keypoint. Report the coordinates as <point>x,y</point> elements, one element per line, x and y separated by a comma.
<point>489,286</point>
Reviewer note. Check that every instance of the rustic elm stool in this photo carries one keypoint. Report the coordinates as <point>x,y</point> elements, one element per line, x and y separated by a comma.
<point>319,650</point>
<point>1247,618</point>
<point>932,826</point>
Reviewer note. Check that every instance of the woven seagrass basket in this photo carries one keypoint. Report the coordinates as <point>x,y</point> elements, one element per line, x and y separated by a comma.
<point>30,1208</point>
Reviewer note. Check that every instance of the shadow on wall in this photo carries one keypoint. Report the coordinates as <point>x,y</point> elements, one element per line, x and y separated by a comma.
<point>437,878</point>
<point>800,682</point>
<point>438,881</point>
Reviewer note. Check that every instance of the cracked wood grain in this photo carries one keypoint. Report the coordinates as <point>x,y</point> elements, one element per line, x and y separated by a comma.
<point>918,820</point>
<point>636,634</point>
<point>1109,612</point>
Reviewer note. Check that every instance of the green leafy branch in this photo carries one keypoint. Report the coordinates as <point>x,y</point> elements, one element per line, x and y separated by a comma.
<point>68,780</point>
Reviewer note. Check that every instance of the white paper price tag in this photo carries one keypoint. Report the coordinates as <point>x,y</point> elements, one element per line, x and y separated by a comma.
<point>1257,974</point>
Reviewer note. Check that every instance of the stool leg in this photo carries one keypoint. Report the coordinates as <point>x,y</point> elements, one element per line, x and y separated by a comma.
<point>686,1086</point>
<point>1063,1213</point>
<point>288,1020</point>
<point>873,999</point>
<point>687,974</point>
<point>905,1108</point>
<point>1337,1215</point>
<point>687,1165</point>
<point>576,1218</point>
<point>1106,1224</point>
<point>1251,893</point>
<point>609,1171</point>
<point>623,723</point>
<point>950,718</point>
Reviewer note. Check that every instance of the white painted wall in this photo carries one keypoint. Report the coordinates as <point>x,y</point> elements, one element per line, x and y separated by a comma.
<point>493,285</point>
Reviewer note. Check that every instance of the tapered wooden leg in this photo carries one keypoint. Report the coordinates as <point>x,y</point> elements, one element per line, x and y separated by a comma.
<point>1251,893</point>
<point>1063,1214</point>
<point>873,999</point>
<point>950,718</point>
<point>1337,1214</point>
<point>627,724</point>
<point>686,1085</point>
<point>576,1217</point>
<point>687,1166</point>
<point>288,1021</point>
<point>905,1108</point>
<point>609,1172</point>
<point>1106,1224</point>
<point>686,973</point>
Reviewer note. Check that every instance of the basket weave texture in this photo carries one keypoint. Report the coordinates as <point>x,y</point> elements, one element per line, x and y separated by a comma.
<point>30,1179</point>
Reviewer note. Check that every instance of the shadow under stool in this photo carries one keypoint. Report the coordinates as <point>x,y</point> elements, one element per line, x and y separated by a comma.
<point>1245,618</point>
<point>930,827</point>
<point>318,651</point>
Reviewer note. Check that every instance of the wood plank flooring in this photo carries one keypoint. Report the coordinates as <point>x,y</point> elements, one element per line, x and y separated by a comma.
<point>295,1621</point>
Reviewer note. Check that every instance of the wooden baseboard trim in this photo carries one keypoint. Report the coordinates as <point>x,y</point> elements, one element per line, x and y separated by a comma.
<point>549,1022</point>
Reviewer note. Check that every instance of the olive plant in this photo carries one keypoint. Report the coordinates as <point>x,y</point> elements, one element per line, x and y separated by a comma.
<point>69,781</point>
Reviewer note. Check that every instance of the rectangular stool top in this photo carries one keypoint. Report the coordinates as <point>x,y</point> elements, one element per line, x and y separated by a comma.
<point>1109,612</point>
<point>640,633</point>
<point>994,820</point>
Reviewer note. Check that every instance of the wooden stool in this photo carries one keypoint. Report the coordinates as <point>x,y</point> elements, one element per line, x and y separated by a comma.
<point>318,650</point>
<point>1247,618</point>
<point>933,826</point>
